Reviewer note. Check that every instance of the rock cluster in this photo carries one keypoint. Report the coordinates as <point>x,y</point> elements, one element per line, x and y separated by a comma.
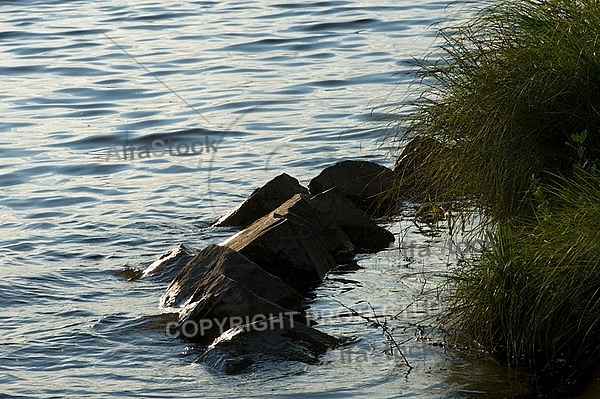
<point>244,298</point>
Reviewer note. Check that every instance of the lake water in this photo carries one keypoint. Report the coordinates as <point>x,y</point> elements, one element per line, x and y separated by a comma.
<point>256,88</point>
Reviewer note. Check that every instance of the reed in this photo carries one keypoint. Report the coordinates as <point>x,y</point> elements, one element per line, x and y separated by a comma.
<point>534,297</point>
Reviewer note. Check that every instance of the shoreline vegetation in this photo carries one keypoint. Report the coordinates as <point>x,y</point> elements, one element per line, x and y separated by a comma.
<point>507,125</point>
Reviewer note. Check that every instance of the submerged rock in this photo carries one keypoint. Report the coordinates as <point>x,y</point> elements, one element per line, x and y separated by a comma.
<point>362,231</point>
<point>294,242</point>
<point>169,263</point>
<point>365,183</point>
<point>220,288</point>
<point>262,201</point>
<point>275,339</point>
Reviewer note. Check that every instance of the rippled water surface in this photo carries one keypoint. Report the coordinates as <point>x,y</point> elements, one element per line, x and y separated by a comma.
<point>260,88</point>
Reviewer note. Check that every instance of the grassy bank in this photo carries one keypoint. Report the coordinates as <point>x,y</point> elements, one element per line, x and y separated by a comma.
<point>509,125</point>
<point>507,89</point>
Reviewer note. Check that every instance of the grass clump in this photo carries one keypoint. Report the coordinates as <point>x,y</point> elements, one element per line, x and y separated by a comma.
<point>509,124</point>
<point>534,297</point>
<point>507,91</point>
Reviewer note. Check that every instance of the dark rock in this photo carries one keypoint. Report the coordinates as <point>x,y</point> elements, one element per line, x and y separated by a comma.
<point>362,231</point>
<point>275,339</point>
<point>295,243</point>
<point>416,151</point>
<point>225,363</point>
<point>412,167</point>
<point>206,318</point>
<point>166,267</point>
<point>365,183</point>
<point>262,201</point>
<point>220,288</point>
<point>217,262</point>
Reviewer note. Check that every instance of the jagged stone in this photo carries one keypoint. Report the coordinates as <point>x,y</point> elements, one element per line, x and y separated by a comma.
<point>295,243</point>
<point>365,183</point>
<point>262,201</point>
<point>362,231</point>
<point>220,288</point>
<point>166,267</point>
<point>276,339</point>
